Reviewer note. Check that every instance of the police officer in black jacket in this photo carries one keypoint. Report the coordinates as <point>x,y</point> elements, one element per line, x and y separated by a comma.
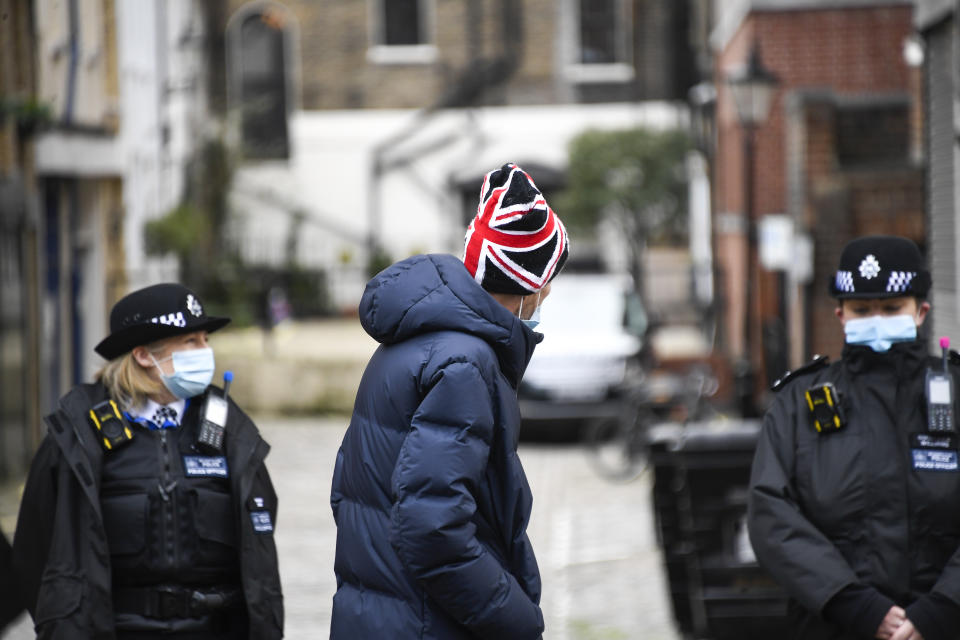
<point>855,489</point>
<point>148,511</point>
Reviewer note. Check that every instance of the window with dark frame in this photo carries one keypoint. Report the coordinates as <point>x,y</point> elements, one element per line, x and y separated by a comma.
<point>598,32</point>
<point>872,134</point>
<point>263,87</point>
<point>401,22</point>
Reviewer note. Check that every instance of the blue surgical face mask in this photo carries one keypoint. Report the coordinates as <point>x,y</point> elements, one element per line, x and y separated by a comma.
<point>534,318</point>
<point>880,332</point>
<point>192,372</point>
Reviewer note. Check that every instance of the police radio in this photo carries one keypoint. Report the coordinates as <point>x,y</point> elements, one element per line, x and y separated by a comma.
<point>939,390</point>
<point>213,418</point>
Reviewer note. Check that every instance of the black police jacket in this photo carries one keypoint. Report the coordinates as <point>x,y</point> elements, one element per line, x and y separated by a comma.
<point>10,606</point>
<point>875,503</point>
<point>61,554</point>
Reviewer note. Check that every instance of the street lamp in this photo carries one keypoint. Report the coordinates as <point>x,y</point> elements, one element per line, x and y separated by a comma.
<point>752,87</point>
<point>703,105</point>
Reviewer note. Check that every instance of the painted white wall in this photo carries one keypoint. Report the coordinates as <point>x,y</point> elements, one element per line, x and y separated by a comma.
<point>329,175</point>
<point>184,104</point>
<point>139,130</point>
<point>701,248</point>
<point>163,111</point>
<point>89,242</point>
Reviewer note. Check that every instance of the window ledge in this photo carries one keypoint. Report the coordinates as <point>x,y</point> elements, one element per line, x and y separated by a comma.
<point>402,54</point>
<point>598,73</point>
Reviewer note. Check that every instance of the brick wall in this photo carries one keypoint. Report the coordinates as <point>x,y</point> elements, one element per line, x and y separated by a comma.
<point>846,53</point>
<point>850,51</point>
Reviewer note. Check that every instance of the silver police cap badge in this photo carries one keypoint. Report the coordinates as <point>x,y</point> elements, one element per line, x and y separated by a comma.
<point>870,267</point>
<point>193,305</point>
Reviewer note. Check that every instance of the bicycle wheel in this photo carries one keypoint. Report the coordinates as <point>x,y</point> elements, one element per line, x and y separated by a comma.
<point>618,450</point>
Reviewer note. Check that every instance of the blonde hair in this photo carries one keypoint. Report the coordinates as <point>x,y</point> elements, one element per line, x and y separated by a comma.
<point>128,382</point>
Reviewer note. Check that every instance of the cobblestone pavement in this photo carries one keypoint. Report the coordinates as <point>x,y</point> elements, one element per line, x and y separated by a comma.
<point>594,541</point>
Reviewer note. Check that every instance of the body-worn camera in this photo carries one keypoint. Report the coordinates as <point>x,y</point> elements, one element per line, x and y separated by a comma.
<point>111,426</point>
<point>824,404</point>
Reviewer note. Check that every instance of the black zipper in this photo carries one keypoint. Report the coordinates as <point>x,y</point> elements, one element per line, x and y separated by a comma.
<point>168,505</point>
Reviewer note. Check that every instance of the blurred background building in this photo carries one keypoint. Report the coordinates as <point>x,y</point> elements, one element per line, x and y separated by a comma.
<point>367,125</point>
<point>102,104</point>
<point>249,146</point>
<point>818,139</point>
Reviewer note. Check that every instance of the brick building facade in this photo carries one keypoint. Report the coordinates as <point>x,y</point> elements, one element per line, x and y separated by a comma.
<point>101,103</point>
<point>20,349</point>
<point>479,52</point>
<point>835,155</point>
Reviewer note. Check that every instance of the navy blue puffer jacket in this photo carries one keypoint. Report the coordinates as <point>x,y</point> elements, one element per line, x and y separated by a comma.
<point>430,499</point>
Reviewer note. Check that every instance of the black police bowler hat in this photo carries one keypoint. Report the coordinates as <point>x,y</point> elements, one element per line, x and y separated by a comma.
<point>880,267</point>
<point>155,312</point>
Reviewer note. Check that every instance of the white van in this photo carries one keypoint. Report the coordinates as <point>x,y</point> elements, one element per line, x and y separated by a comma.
<point>593,326</point>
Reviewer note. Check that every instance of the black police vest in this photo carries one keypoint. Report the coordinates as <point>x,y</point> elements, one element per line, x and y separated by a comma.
<point>168,511</point>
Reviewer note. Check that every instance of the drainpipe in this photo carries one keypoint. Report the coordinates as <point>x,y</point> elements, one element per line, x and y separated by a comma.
<point>73,18</point>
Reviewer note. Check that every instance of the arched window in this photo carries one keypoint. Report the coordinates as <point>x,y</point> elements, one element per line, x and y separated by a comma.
<point>260,79</point>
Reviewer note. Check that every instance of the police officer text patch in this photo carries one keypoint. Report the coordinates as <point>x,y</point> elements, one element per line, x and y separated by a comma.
<point>205,466</point>
<point>934,452</point>
<point>262,523</point>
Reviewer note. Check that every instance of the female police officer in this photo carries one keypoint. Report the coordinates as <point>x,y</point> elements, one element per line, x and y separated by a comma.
<point>138,520</point>
<point>855,490</point>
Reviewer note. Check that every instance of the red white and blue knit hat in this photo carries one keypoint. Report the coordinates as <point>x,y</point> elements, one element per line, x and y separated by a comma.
<point>516,244</point>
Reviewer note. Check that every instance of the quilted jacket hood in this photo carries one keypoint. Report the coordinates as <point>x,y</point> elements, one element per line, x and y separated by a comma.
<point>427,293</point>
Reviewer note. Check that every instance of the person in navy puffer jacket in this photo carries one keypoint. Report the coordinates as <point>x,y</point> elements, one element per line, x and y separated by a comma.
<point>429,496</point>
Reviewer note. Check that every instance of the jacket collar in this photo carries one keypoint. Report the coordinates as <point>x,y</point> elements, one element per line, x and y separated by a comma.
<point>905,358</point>
<point>429,293</point>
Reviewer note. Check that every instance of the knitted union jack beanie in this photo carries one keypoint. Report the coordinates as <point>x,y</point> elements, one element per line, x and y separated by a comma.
<point>516,244</point>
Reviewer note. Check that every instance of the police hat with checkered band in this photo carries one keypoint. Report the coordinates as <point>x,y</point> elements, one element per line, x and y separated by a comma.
<point>152,313</point>
<point>880,267</point>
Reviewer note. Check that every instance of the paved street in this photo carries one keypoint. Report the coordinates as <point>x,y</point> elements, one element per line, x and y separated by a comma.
<point>594,541</point>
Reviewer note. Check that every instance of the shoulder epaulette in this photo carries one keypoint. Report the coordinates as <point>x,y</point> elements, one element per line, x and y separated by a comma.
<point>817,363</point>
